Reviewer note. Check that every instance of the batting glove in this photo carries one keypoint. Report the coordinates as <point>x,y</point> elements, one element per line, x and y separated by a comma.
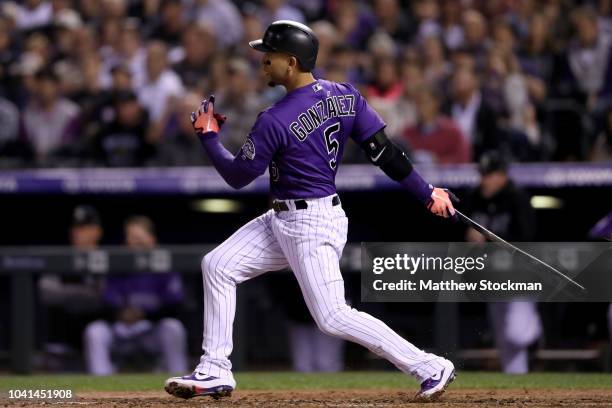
<point>441,203</point>
<point>205,122</point>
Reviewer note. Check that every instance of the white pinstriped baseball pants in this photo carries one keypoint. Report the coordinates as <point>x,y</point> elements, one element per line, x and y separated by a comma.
<point>310,242</point>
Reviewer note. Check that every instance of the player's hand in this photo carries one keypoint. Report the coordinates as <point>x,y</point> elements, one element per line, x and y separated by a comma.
<point>441,203</point>
<point>205,121</point>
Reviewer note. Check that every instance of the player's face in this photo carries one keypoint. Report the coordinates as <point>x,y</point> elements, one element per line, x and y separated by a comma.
<point>276,67</point>
<point>492,182</point>
<point>85,236</point>
<point>138,237</point>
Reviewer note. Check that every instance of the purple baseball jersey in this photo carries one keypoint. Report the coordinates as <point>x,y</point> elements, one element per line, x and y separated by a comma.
<point>301,138</point>
<point>146,291</point>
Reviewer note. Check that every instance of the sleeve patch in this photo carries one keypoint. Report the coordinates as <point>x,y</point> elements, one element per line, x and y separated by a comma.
<point>248,150</point>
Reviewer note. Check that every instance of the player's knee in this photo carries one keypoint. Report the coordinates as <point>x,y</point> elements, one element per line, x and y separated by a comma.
<point>172,327</point>
<point>215,266</point>
<point>97,332</point>
<point>330,329</point>
<point>331,323</point>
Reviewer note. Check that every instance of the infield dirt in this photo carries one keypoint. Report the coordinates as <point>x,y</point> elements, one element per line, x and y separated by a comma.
<point>340,399</point>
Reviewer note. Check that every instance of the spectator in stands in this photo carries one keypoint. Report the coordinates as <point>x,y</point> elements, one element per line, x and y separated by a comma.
<point>586,73</point>
<point>347,60</point>
<point>435,138</point>
<point>506,90</point>
<point>9,124</point>
<point>385,92</point>
<point>413,79</point>
<point>50,121</point>
<point>499,205</point>
<point>162,88</point>
<point>462,58</point>
<point>114,9</point>
<point>380,46</point>
<point>171,23</point>
<point>71,301</point>
<point>602,147</point>
<point>393,20</point>
<point>252,29</point>
<point>142,305</point>
<point>121,79</point>
<point>66,25</point>
<point>427,13</point>
<point>535,57</point>
<point>452,31</point>
<point>590,59</point>
<point>476,119</point>
<point>40,45</point>
<point>238,99</point>
<point>180,145</point>
<point>131,51</point>
<point>274,10</point>
<point>202,36</point>
<point>475,32</point>
<point>33,14</point>
<point>198,44</point>
<point>224,19</point>
<point>328,42</point>
<point>436,67</point>
<point>96,101</point>
<point>354,22</point>
<point>503,38</point>
<point>123,141</point>
<point>8,84</point>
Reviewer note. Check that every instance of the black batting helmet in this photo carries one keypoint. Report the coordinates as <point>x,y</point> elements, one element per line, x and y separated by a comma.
<point>292,38</point>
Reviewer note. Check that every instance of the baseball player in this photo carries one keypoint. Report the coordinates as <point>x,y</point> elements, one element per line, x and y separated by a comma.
<point>300,139</point>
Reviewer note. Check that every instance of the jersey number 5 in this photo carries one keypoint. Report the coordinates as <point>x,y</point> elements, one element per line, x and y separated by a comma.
<point>331,143</point>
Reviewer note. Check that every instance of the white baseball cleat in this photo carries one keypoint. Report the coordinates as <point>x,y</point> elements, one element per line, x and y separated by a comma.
<point>197,384</point>
<point>433,387</point>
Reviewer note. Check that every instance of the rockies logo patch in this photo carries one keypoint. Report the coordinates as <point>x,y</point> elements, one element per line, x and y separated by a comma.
<point>248,149</point>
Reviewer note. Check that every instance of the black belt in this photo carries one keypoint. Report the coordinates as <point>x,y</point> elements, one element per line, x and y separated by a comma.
<point>278,206</point>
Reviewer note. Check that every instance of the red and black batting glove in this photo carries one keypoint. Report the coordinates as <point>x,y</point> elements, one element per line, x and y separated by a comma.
<point>205,121</point>
<point>441,202</point>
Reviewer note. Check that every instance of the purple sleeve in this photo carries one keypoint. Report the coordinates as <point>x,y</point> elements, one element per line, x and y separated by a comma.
<point>253,158</point>
<point>417,186</point>
<point>367,121</point>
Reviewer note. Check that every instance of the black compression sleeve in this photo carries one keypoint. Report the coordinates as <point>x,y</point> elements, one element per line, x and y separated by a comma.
<point>386,155</point>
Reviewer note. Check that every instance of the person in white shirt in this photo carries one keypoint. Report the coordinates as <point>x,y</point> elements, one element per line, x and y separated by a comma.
<point>476,119</point>
<point>49,119</point>
<point>162,87</point>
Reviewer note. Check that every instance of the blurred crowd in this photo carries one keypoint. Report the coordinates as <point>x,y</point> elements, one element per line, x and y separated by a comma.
<point>112,82</point>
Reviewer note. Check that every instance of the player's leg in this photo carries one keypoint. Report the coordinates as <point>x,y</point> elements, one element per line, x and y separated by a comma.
<point>302,347</point>
<point>171,338</point>
<point>313,240</point>
<point>516,326</point>
<point>249,252</point>
<point>98,339</point>
<point>329,357</point>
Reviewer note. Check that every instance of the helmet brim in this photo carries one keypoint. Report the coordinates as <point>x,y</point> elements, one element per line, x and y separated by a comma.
<point>260,46</point>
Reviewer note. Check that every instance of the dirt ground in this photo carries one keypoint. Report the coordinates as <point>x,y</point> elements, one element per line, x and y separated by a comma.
<point>339,399</point>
